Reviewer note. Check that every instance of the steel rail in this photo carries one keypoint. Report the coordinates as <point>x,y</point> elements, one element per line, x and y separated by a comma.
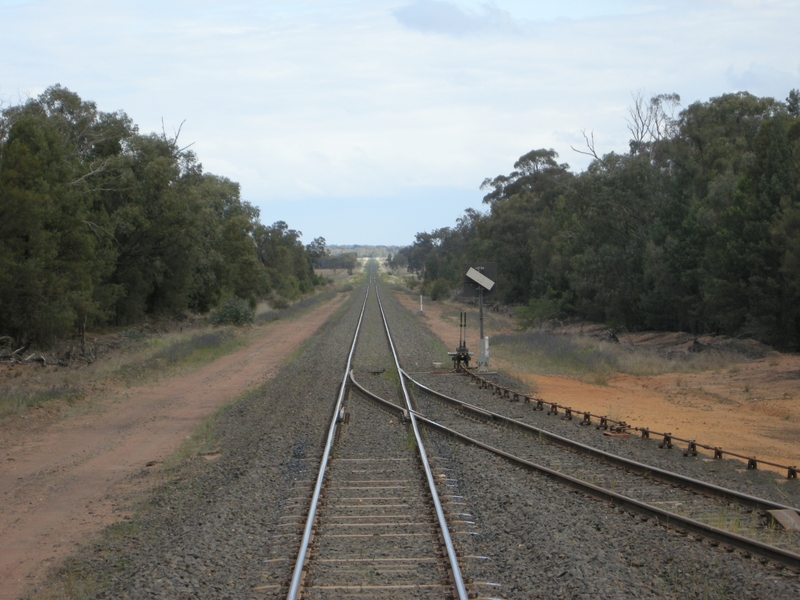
<point>620,461</point>
<point>646,432</point>
<point>458,581</point>
<point>664,517</point>
<point>312,513</point>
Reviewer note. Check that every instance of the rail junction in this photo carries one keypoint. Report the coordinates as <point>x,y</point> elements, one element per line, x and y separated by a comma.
<point>382,520</point>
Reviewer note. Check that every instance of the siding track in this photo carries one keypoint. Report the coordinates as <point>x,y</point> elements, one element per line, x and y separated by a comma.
<point>723,515</point>
<point>231,527</point>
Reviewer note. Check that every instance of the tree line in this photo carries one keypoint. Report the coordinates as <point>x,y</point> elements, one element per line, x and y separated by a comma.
<point>101,224</point>
<point>695,228</point>
<point>346,261</point>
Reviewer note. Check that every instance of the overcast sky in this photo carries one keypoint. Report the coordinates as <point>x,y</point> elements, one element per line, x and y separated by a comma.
<point>366,121</point>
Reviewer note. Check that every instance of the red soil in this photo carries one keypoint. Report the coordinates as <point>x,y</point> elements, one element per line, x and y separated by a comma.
<point>65,477</point>
<point>751,408</point>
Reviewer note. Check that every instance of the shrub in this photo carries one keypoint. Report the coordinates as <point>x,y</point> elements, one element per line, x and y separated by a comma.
<point>439,289</point>
<point>411,282</point>
<point>234,311</point>
<point>538,311</point>
<point>278,302</point>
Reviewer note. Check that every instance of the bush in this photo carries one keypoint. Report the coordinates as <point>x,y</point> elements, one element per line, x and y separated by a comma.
<point>539,311</point>
<point>439,289</point>
<point>411,282</point>
<point>278,302</point>
<point>234,311</point>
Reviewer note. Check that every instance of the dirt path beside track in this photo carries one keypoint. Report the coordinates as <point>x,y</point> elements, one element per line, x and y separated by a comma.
<point>62,479</point>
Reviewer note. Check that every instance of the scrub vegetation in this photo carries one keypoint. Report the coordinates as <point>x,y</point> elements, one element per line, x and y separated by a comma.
<point>696,228</point>
<point>547,352</point>
<point>132,356</point>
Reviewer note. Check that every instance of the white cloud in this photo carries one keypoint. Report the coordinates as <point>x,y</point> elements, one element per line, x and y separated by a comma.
<point>763,79</point>
<point>311,102</point>
<point>436,16</point>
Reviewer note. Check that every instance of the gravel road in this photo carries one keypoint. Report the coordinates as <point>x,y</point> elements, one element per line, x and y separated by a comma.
<point>213,530</point>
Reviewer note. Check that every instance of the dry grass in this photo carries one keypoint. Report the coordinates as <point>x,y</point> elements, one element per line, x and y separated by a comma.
<point>17,398</point>
<point>547,353</point>
<point>26,386</point>
<point>131,356</point>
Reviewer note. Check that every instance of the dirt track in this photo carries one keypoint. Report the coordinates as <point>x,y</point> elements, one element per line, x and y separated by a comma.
<point>65,478</point>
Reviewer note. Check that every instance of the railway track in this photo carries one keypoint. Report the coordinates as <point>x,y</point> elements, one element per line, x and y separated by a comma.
<point>722,515</point>
<point>375,525</point>
<point>705,511</point>
<point>232,526</point>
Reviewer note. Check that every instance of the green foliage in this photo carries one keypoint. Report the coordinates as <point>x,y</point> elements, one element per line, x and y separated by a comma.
<point>346,260</point>
<point>101,224</point>
<point>52,262</point>
<point>793,103</point>
<point>278,302</point>
<point>234,311</point>
<point>397,262</point>
<point>317,250</point>
<point>287,266</point>
<point>411,282</point>
<point>539,311</point>
<point>226,259</point>
<point>438,289</point>
<point>697,228</point>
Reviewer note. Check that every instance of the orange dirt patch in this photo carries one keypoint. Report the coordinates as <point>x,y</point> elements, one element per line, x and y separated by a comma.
<point>65,478</point>
<point>751,408</point>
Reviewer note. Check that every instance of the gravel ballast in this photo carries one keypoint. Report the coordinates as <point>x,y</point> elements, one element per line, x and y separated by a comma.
<point>215,529</point>
<point>547,541</point>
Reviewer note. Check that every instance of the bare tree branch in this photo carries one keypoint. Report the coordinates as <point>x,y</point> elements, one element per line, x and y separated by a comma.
<point>92,171</point>
<point>641,120</point>
<point>589,144</point>
<point>174,140</point>
<point>95,228</point>
<point>652,122</point>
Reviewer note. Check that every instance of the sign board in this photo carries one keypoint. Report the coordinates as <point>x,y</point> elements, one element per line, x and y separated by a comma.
<point>480,279</point>
<point>485,273</point>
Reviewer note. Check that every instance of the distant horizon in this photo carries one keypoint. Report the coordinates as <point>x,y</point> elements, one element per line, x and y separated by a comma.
<point>362,249</point>
<point>365,245</point>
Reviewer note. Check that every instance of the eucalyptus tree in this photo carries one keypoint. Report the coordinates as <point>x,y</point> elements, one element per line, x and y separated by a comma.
<point>56,252</point>
<point>101,224</point>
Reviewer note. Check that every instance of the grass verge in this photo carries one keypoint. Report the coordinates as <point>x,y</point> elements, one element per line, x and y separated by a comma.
<point>140,357</point>
<point>26,387</point>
